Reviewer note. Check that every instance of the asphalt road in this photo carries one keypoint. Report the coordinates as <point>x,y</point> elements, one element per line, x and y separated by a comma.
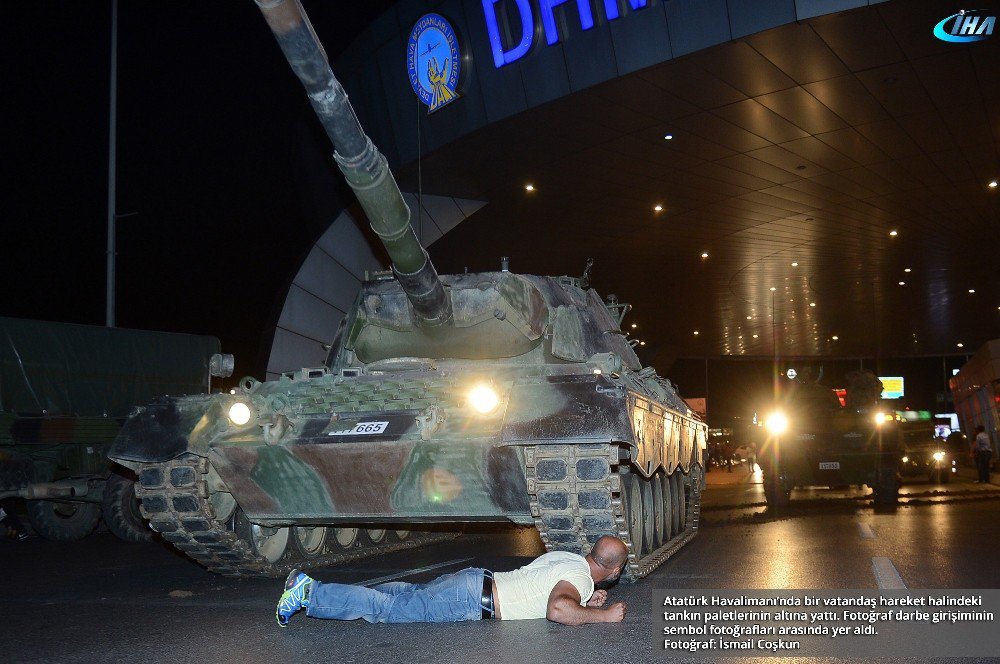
<point>102,600</point>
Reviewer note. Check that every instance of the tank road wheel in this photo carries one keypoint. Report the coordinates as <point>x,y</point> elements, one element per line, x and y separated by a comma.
<point>660,534</point>
<point>668,508</point>
<point>270,543</point>
<point>63,521</point>
<point>676,522</point>
<point>346,538</point>
<point>632,509</point>
<point>682,502</point>
<point>401,535</point>
<point>648,516</point>
<point>374,535</point>
<point>120,510</point>
<point>309,540</point>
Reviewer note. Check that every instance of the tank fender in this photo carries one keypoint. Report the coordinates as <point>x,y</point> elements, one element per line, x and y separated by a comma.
<point>557,409</point>
<point>167,428</point>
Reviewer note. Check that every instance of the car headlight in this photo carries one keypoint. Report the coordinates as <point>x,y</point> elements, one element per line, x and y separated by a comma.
<point>239,413</point>
<point>939,456</point>
<point>483,399</point>
<point>776,423</point>
<point>881,418</point>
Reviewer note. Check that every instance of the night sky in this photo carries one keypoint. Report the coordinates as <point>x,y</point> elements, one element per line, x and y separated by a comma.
<point>215,139</point>
<point>211,129</point>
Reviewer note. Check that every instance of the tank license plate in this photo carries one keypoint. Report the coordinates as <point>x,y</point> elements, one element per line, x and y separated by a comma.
<point>361,429</point>
<point>829,465</point>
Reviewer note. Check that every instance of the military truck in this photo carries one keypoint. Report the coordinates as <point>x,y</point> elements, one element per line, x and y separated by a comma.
<point>808,439</point>
<point>65,391</point>
<point>490,396</point>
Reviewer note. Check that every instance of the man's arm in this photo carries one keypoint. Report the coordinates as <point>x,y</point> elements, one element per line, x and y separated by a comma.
<point>564,608</point>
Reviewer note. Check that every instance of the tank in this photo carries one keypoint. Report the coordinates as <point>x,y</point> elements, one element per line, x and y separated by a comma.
<point>809,439</point>
<point>445,399</point>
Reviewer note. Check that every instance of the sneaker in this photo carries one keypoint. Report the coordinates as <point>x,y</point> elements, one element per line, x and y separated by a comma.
<point>295,597</point>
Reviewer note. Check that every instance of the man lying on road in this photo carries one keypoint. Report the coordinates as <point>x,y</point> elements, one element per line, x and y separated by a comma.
<point>558,585</point>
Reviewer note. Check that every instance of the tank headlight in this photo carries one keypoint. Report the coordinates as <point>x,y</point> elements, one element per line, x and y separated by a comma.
<point>483,399</point>
<point>776,423</point>
<point>881,418</point>
<point>939,456</point>
<point>239,413</point>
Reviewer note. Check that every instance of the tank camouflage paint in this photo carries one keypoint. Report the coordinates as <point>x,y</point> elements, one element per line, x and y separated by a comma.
<point>445,399</point>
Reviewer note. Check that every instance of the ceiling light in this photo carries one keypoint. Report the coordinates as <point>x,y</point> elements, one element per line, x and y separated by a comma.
<point>960,345</point>
<point>773,289</point>
<point>657,208</point>
<point>972,290</point>
<point>704,254</point>
<point>812,304</point>
<point>835,337</point>
<point>893,233</point>
<point>755,336</point>
<point>902,283</point>
<point>795,264</point>
<point>749,317</point>
<point>642,343</point>
<point>670,137</point>
<point>635,325</point>
<point>992,185</point>
<point>529,187</point>
<point>907,270</point>
<point>696,333</point>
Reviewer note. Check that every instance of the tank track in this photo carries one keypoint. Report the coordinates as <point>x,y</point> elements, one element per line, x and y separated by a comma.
<point>575,497</point>
<point>174,498</point>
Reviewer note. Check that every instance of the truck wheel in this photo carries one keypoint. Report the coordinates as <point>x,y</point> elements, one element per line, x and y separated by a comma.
<point>120,510</point>
<point>886,488</point>
<point>775,492</point>
<point>63,521</point>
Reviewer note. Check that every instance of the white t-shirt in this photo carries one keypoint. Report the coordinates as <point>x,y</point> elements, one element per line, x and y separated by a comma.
<point>982,443</point>
<point>524,593</point>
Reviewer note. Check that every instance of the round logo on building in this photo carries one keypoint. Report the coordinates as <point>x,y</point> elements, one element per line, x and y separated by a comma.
<point>433,61</point>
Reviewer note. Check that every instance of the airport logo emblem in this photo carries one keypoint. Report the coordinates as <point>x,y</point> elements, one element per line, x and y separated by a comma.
<point>968,25</point>
<point>433,61</point>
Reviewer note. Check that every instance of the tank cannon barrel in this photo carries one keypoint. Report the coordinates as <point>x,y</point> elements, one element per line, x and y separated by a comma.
<point>364,167</point>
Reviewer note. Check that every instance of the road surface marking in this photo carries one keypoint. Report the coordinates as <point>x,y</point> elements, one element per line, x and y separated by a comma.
<point>409,572</point>
<point>866,531</point>
<point>886,575</point>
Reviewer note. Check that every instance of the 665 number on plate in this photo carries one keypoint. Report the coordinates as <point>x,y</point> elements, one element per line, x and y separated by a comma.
<point>361,429</point>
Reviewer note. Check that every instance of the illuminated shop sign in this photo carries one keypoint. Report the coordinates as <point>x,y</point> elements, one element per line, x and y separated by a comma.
<point>506,52</point>
<point>892,387</point>
<point>968,25</point>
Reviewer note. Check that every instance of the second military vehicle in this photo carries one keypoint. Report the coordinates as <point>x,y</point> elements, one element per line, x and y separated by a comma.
<point>65,391</point>
<point>472,397</point>
<point>809,439</point>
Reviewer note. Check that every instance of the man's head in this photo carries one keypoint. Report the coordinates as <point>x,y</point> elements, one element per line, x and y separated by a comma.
<point>607,558</point>
<point>980,429</point>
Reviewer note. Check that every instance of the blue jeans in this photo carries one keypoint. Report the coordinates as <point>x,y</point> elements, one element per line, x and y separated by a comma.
<point>449,598</point>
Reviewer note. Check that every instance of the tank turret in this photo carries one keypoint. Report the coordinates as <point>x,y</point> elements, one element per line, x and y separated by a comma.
<point>364,167</point>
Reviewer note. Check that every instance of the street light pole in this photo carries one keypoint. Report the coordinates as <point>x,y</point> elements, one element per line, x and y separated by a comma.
<point>109,317</point>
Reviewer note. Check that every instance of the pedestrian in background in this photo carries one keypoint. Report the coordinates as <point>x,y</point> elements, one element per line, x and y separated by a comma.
<point>983,452</point>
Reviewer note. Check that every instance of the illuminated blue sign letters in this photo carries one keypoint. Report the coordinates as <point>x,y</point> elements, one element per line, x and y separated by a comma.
<point>546,10</point>
<point>966,27</point>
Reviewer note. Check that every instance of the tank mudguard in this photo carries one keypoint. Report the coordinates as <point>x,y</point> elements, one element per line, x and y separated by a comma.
<point>167,428</point>
<point>561,409</point>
